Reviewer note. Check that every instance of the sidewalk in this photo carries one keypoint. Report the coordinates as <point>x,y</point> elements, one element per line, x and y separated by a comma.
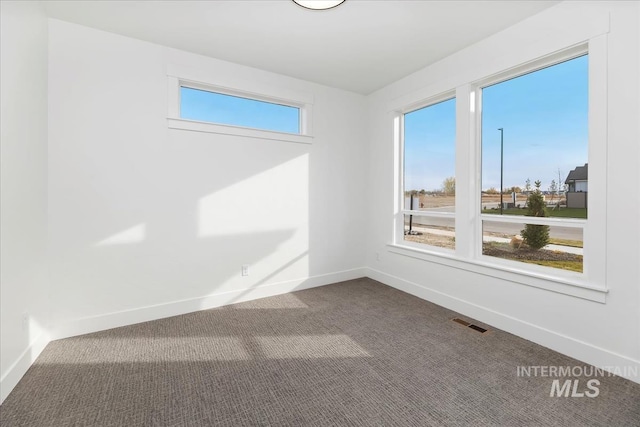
<point>438,232</point>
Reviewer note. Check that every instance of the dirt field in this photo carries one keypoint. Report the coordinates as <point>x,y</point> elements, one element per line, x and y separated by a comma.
<point>428,201</point>
<point>427,238</point>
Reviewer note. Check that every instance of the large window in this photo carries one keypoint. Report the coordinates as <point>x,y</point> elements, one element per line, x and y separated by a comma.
<point>535,135</point>
<point>523,153</point>
<point>429,174</point>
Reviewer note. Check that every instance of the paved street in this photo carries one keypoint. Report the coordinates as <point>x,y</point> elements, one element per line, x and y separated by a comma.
<point>504,229</point>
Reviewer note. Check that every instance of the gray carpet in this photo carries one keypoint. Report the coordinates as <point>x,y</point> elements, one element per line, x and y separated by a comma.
<point>356,353</point>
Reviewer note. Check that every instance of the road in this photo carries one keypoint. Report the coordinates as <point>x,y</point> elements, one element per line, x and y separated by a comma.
<point>497,228</point>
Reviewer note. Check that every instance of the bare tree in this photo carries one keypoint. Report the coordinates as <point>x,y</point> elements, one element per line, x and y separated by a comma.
<point>449,186</point>
<point>553,188</point>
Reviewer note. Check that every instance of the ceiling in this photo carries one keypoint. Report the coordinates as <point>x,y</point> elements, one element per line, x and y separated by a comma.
<point>360,46</point>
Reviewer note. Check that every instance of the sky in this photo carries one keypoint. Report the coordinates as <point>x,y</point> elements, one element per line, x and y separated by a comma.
<point>430,146</point>
<point>544,115</point>
<point>232,110</point>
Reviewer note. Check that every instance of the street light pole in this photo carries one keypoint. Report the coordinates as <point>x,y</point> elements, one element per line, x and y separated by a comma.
<point>501,166</point>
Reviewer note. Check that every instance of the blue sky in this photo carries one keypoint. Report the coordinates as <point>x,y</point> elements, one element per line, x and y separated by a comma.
<point>545,119</point>
<point>232,110</point>
<point>544,115</point>
<point>430,146</point>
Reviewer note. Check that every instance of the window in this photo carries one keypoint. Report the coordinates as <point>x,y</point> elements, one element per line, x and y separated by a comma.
<point>206,106</point>
<point>429,175</point>
<point>237,107</point>
<point>535,134</point>
<point>524,151</point>
<point>564,248</point>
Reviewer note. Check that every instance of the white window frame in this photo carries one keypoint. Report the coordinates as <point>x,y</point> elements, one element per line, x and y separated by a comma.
<point>442,97</point>
<point>248,90</point>
<point>591,283</point>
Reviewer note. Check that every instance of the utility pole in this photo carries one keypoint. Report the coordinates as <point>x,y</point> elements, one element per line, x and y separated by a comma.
<point>501,166</point>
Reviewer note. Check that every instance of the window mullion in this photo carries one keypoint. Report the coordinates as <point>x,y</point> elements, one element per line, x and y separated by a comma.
<point>465,190</point>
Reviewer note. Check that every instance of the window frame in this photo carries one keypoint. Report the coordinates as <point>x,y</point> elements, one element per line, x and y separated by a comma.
<point>272,95</point>
<point>478,87</point>
<point>442,97</point>
<point>591,283</point>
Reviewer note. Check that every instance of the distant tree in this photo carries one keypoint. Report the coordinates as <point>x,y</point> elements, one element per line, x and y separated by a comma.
<point>449,185</point>
<point>536,236</point>
<point>527,185</point>
<point>553,188</point>
<point>423,192</point>
<point>561,186</point>
<point>492,190</point>
<point>515,189</point>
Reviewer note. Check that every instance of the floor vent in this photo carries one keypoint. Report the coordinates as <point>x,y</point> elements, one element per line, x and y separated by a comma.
<point>478,328</point>
<point>462,322</point>
<point>469,325</point>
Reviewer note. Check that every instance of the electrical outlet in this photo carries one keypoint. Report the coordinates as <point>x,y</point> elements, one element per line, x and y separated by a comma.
<point>245,270</point>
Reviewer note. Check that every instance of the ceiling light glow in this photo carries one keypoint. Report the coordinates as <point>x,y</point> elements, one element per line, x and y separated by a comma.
<point>318,4</point>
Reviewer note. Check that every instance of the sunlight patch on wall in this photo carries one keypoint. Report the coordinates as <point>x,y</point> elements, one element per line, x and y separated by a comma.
<point>280,266</point>
<point>135,234</point>
<point>277,198</point>
<point>34,328</point>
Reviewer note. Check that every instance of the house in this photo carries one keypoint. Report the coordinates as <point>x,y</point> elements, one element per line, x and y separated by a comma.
<point>577,179</point>
<point>577,187</point>
<point>118,209</point>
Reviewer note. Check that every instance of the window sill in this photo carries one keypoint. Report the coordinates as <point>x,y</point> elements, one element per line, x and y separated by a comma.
<point>550,283</point>
<point>220,129</point>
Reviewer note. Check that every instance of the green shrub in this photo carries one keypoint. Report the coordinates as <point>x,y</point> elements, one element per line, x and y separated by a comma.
<point>536,236</point>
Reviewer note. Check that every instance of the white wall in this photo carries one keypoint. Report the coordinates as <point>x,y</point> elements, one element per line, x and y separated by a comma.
<point>147,221</point>
<point>23,118</point>
<point>602,334</point>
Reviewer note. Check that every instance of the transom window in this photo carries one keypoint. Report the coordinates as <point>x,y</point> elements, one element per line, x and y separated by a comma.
<point>214,107</point>
<point>236,107</point>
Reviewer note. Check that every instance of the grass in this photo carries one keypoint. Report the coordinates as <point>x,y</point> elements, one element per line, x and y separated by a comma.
<point>566,242</point>
<point>565,265</point>
<point>552,213</point>
<point>546,258</point>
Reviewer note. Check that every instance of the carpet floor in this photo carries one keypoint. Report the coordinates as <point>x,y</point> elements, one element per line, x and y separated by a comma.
<point>356,353</point>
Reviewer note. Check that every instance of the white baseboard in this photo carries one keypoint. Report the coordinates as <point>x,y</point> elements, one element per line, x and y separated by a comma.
<point>73,327</point>
<point>87,325</point>
<point>566,345</point>
<point>20,367</point>
<point>585,352</point>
